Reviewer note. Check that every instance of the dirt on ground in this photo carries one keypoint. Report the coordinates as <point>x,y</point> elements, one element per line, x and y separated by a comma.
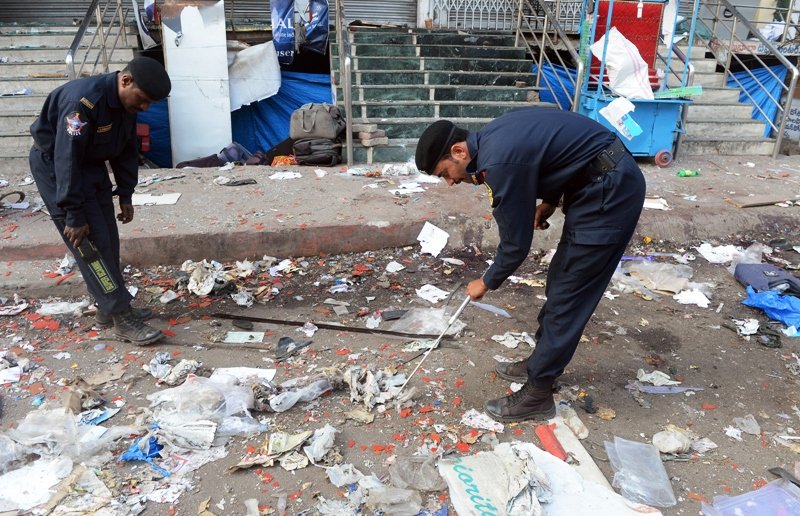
<point>699,347</point>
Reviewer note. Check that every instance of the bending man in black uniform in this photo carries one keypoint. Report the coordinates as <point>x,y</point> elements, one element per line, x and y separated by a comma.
<point>83,124</point>
<point>541,153</point>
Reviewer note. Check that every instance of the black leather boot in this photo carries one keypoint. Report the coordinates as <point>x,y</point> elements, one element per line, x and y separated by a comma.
<point>103,319</point>
<point>129,328</point>
<point>530,402</point>
<point>513,371</point>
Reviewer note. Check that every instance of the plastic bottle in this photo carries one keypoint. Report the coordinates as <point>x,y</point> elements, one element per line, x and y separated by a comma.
<point>572,421</point>
<point>685,172</point>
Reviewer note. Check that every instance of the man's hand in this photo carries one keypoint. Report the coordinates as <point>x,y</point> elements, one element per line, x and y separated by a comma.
<point>543,212</point>
<point>476,289</point>
<point>75,235</point>
<point>125,214</point>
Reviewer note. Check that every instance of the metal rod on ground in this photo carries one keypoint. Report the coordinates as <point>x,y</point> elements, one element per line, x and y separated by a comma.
<point>436,342</point>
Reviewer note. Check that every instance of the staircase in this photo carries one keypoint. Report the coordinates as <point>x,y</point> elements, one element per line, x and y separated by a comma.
<point>405,79</point>
<point>717,122</point>
<point>31,66</point>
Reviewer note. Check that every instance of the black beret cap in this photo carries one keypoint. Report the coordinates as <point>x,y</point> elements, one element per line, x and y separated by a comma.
<point>150,76</point>
<point>432,145</point>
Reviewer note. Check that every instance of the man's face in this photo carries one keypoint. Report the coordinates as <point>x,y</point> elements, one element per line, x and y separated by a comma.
<point>453,169</point>
<point>131,97</point>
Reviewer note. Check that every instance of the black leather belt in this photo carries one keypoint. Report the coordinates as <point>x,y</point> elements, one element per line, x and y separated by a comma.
<point>609,157</point>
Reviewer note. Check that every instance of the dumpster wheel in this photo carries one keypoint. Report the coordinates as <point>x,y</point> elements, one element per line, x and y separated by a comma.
<point>663,158</point>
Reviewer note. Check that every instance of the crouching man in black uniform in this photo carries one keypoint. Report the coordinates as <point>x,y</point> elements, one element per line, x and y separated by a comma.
<point>541,153</point>
<point>83,124</point>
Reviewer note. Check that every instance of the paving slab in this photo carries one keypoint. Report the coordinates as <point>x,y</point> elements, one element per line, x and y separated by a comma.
<point>342,213</point>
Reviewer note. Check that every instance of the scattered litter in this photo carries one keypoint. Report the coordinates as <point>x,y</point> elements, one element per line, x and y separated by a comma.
<point>393,267</point>
<point>67,264</point>
<point>718,254</point>
<point>746,327</point>
<point>454,261</point>
<point>572,421</point>
<point>14,309</point>
<point>481,421</point>
<point>243,298</point>
<point>407,188</point>
<point>155,199</point>
<point>776,497</point>
<point>639,473</point>
<point>733,433</point>
<point>320,443</point>
<point>286,175</point>
<point>168,297</point>
<point>308,329</point>
<point>431,293</point>
<point>62,308</point>
<point>288,347</point>
<point>703,445</point>
<point>512,339</point>
<point>656,378</point>
<point>243,337</point>
<point>242,375</point>
<point>785,309</point>
<point>656,203</point>
<point>747,424</point>
<point>692,297</point>
<point>432,239</point>
<point>672,440</point>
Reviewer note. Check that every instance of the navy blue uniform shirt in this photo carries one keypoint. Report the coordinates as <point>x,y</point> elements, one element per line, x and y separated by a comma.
<point>529,154</point>
<point>83,124</point>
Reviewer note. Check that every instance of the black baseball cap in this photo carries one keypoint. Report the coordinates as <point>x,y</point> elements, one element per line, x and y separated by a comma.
<point>432,145</point>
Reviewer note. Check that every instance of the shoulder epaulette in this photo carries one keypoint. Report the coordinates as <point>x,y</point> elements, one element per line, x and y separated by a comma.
<point>86,102</point>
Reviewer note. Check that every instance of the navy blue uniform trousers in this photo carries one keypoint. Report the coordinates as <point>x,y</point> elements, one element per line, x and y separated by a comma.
<point>99,211</point>
<point>599,222</point>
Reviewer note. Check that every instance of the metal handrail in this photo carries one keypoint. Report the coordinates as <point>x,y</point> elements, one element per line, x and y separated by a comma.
<point>102,33</point>
<point>726,50</point>
<point>526,14</point>
<point>345,67</point>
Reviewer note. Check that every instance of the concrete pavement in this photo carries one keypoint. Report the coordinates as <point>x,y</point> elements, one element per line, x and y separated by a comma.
<point>341,213</point>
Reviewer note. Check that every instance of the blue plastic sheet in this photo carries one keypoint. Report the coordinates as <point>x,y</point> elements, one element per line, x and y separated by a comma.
<point>262,125</point>
<point>135,452</point>
<point>760,97</point>
<point>157,117</point>
<point>562,92</point>
<point>785,309</point>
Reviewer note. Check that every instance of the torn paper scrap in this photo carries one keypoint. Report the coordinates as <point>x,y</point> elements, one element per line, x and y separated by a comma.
<point>481,421</point>
<point>155,199</point>
<point>431,293</point>
<point>432,239</point>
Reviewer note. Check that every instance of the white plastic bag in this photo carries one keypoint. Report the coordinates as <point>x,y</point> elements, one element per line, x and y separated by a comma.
<point>627,71</point>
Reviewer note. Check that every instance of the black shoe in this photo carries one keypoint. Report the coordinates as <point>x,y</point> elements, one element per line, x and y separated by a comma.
<point>103,319</point>
<point>530,402</point>
<point>129,328</point>
<point>513,371</point>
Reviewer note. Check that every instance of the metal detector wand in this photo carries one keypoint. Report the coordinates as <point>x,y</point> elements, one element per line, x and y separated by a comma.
<point>436,342</point>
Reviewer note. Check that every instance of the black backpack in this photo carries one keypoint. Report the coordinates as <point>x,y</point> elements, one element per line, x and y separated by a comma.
<point>317,151</point>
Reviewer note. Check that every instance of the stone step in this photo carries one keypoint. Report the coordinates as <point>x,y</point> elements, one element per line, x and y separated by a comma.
<point>731,146</point>
<point>413,127</point>
<point>44,28</point>
<point>435,109</point>
<point>17,103</point>
<point>37,85</point>
<point>720,111</point>
<point>14,168</point>
<point>14,145</point>
<point>438,63</point>
<point>438,77</point>
<point>57,54</point>
<point>58,38</point>
<point>397,150</point>
<point>703,79</point>
<point>377,50</point>
<point>17,122</point>
<point>714,95</point>
<point>52,68</point>
<point>698,51</point>
<point>442,92</point>
<point>430,38</point>
<point>718,128</point>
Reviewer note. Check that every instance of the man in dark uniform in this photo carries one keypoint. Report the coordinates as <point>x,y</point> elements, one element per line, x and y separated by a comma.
<point>83,124</point>
<point>540,153</point>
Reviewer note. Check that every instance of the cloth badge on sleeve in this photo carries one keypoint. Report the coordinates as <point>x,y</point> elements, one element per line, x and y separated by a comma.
<point>74,124</point>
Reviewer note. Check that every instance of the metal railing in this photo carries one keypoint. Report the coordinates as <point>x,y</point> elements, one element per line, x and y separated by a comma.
<point>110,28</point>
<point>722,20</point>
<point>345,70</point>
<point>537,19</point>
